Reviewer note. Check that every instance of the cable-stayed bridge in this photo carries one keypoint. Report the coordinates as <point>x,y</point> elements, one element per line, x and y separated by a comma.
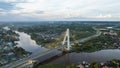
<point>48,53</point>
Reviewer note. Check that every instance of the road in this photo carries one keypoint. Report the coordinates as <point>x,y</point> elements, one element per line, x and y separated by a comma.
<point>49,52</point>
<point>98,33</point>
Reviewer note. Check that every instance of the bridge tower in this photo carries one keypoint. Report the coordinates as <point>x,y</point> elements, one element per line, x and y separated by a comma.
<point>67,39</point>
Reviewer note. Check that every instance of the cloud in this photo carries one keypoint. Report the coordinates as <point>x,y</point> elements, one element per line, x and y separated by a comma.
<point>6,6</point>
<point>104,16</point>
<point>2,13</point>
<point>64,9</point>
<point>12,1</point>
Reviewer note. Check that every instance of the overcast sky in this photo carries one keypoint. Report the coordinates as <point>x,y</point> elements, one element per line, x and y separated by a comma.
<point>52,10</point>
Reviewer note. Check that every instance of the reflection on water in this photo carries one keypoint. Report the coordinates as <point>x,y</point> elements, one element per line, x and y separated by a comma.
<point>6,28</point>
<point>99,56</point>
<point>27,43</point>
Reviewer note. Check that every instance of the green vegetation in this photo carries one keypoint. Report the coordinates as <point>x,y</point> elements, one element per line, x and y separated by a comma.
<point>118,32</point>
<point>98,43</point>
<point>49,35</point>
<point>94,65</point>
<point>57,66</point>
<point>9,52</point>
<point>115,63</point>
<point>20,52</point>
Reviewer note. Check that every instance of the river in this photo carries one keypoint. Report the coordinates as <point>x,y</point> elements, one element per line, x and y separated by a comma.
<point>100,56</point>
<point>28,44</point>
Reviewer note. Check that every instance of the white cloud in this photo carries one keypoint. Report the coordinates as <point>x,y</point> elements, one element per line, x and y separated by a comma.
<point>60,9</point>
<point>104,16</point>
<point>2,13</point>
<point>1,9</point>
<point>11,1</point>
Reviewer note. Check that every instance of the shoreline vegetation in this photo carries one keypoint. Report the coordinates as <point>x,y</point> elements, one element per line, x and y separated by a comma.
<point>99,43</point>
<point>50,36</point>
<point>115,63</point>
<point>109,39</point>
<point>9,52</point>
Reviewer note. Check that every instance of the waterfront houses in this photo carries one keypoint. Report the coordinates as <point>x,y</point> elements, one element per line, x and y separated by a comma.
<point>7,46</point>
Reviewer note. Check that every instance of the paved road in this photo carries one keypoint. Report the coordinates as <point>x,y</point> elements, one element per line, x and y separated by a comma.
<point>88,38</point>
<point>47,52</point>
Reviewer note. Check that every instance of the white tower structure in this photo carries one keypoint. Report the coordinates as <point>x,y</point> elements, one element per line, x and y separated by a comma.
<point>67,39</point>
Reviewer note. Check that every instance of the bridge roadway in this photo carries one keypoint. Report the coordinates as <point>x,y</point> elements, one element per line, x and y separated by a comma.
<point>47,52</point>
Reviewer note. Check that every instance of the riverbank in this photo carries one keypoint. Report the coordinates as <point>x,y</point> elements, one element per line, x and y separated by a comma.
<point>9,51</point>
<point>51,35</point>
<point>115,63</point>
<point>28,44</point>
<point>94,56</point>
<point>107,40</point>
<point>98,56</point>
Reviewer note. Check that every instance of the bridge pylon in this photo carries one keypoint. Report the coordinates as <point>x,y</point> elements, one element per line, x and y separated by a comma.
<point>67,39</point>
